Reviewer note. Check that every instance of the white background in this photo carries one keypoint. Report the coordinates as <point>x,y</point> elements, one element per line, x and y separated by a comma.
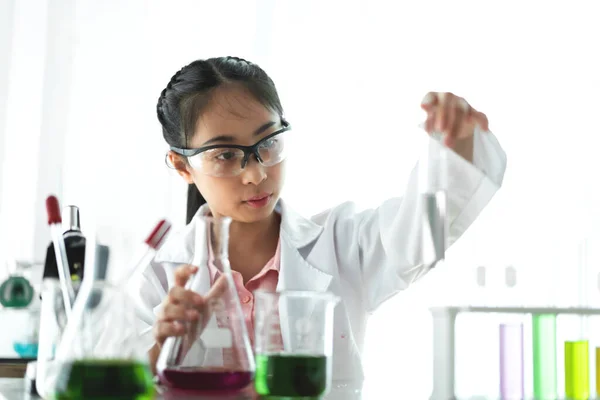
<point>78,89</point>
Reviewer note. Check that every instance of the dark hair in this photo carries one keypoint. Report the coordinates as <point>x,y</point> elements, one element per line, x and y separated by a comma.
<point>181,103</point>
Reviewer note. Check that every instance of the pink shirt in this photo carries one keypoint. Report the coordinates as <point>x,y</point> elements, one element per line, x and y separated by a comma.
<point>266,280</point>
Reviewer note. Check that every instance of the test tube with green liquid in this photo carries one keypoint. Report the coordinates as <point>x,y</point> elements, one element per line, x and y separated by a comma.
<point>544,356</point>
<point>577,379</point>
<point>598,372</point>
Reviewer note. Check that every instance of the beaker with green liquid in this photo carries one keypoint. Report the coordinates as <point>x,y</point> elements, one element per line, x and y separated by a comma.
<point>598,372</point>
<point>293,343</point>
<point>99,355</point>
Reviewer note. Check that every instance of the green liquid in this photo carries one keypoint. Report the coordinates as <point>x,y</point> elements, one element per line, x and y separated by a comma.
<point>105,379</point>
<point>544,357</point>
<point>291,376</point>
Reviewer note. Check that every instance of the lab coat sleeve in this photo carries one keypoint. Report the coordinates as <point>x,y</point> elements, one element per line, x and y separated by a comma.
<point>388,238</point>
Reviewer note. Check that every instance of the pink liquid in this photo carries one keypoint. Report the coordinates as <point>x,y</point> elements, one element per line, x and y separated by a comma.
<point>195,379</point>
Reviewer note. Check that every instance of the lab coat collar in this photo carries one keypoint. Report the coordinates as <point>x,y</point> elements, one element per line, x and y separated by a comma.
<point>299,230</point>
<point>296,233</point>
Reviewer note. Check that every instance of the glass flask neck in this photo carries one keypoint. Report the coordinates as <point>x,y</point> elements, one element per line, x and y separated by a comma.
<point>212,241</point>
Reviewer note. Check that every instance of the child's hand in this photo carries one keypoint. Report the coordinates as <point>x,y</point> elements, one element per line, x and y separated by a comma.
<point>452,116</point>
<point>185,311</point>
<point>180,306</point>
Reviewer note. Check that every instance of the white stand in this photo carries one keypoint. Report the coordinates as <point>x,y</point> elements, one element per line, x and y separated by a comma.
<point>444,319</point>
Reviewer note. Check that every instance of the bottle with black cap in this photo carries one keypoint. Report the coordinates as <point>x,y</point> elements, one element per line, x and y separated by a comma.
<point>74,245</point>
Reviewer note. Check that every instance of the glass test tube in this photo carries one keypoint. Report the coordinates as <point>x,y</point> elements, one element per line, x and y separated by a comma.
<point>598,371</point>
<point>577,382</point>
<point>511,362</point>
<point>544,356</point>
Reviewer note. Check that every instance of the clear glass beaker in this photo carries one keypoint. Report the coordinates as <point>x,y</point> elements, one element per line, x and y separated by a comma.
<point>100,355</point>
<point>293,343</point>
<point>214,354</point>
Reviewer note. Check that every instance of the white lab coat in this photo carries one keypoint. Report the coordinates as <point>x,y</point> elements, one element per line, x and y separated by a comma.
<point>362,257</point>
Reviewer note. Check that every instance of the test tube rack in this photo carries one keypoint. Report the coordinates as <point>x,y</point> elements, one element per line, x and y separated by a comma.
<point>444,319</point>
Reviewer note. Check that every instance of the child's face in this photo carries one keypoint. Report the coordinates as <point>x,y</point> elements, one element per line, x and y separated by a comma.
<point>235,113</point>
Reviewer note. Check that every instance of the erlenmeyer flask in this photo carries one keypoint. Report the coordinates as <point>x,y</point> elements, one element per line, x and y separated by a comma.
<point>215,354</point>
<point>99,355</point>
<point>433,172</point>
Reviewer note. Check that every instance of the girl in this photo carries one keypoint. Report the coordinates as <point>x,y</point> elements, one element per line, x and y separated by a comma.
<point>364,258</point>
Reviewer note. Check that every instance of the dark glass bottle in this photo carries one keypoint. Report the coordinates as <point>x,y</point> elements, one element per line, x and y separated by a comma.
<point>74,245</point>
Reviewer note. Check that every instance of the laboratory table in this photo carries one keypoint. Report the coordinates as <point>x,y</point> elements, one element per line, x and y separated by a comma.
<point>14,389</point>
<point>13,367</point>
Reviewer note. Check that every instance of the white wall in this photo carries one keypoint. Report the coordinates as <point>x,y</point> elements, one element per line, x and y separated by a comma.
<point>6,34</point>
